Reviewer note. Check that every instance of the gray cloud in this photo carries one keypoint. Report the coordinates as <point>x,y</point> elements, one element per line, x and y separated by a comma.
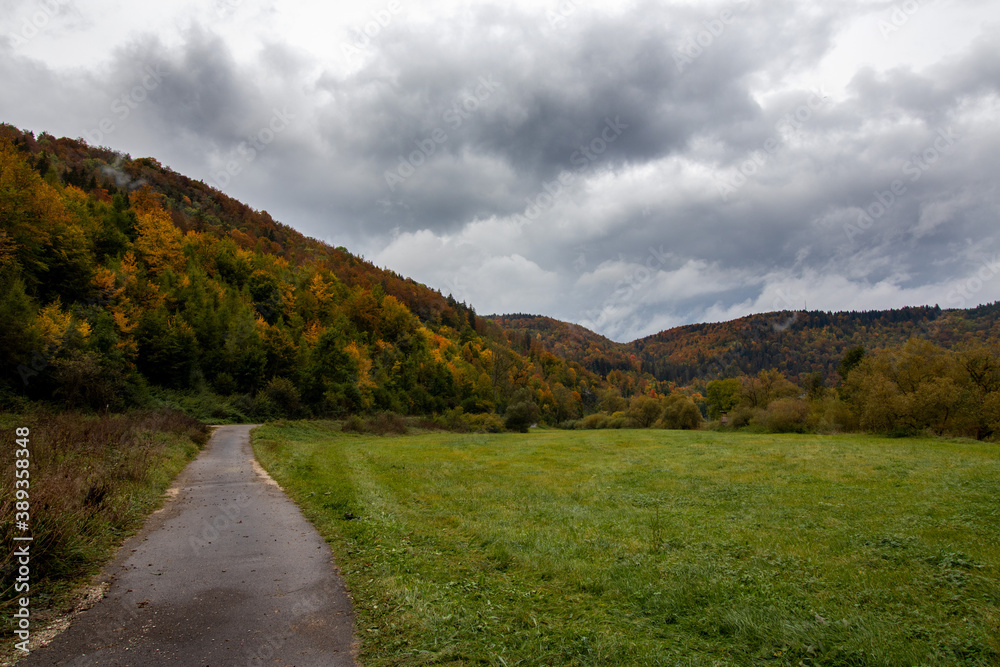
<point>730,168</point>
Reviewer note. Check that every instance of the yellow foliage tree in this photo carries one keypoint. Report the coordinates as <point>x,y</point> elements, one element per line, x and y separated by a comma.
<point>55,325</point>
<point>365,383</point>
<point>159,241</point>
<point>312,332</point>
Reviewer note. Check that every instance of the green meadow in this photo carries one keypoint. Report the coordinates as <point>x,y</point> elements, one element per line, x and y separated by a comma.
<point>655,547</point>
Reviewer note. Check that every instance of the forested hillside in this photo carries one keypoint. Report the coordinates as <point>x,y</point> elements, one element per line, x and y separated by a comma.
<point>120,278</point>
<point>124,284</point>
<point>795,343</point>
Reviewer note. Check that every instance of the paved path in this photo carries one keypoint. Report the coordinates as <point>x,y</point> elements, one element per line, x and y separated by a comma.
<point>227,573</point>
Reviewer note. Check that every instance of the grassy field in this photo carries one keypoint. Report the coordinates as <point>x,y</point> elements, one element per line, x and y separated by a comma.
<point>656,547</point>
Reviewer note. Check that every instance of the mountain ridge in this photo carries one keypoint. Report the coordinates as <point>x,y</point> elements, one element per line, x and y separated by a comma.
<point>712,350</point>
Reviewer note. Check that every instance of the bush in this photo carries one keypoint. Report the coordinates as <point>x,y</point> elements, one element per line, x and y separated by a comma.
<point>520,416</point>
<point>617,420</point>
<point>385,423</point>
<point>209,407</point>
<point>680,412</point>
<point>477,405</point>
<point>596,420</point>
<point>643,410</point>
<point>831,415</point>
<point>484,423</point>
<point>742,416</point>
<point>255,408</point>
<point>285,396</point>
<point>84,380</point>
<point>354,424</point>
<point>785,415</point>
<point>453,420</point>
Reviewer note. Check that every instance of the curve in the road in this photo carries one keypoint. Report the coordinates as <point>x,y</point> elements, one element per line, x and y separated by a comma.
<point>228,573</point>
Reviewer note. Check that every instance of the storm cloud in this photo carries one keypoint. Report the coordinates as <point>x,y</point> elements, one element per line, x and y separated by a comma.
<point>628,167</point>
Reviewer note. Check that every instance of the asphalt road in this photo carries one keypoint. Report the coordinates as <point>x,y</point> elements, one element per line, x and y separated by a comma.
<point>227,573</point>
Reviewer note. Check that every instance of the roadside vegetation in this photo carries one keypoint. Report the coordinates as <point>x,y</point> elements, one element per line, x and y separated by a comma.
<point>94,479</point>
<point>646,547</point>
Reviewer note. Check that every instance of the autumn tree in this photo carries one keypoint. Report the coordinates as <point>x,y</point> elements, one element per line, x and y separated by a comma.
<point>158,243</point>
<point>758,391</point>
<point>522,412</point>
<point>721,396</point>
<point>644,410</point>
<point>680,412</point>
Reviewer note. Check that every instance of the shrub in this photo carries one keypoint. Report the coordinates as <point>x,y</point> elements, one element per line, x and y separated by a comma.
<point>520,416</point>
<point>453,420</point>
<point>680,412</point>
<point>354,424</point>
<point>785,415</point>
<point>385,423</point>
<point>617,420</point>
<point>596,420</point>
<point>84,380</point>
<point>255,408</point>
<point>643,410</point>
<point>742,416</point>
<point>285,396</point>
<point>484,423</point>
<point>93,480</point>
<point>831,415</point>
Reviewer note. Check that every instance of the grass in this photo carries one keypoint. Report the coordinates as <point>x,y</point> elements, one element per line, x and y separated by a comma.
<point>655,547</point>
<point>93,482</point>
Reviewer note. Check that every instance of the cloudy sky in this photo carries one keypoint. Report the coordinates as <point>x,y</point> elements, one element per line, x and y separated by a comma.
<point>629,166</point>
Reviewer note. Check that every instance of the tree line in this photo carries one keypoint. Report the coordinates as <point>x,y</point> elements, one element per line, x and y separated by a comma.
<point>124,284</point>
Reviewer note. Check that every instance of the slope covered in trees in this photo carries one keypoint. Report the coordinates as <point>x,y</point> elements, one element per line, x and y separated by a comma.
<point>796,343</point>
<point>119,277</point>
<point>123,283</point>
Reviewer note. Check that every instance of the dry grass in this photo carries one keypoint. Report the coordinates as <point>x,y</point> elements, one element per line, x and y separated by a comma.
<point>93,481</point>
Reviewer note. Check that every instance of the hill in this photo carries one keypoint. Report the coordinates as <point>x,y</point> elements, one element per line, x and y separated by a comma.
<point>122,281</point>
<point>795,343</point>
